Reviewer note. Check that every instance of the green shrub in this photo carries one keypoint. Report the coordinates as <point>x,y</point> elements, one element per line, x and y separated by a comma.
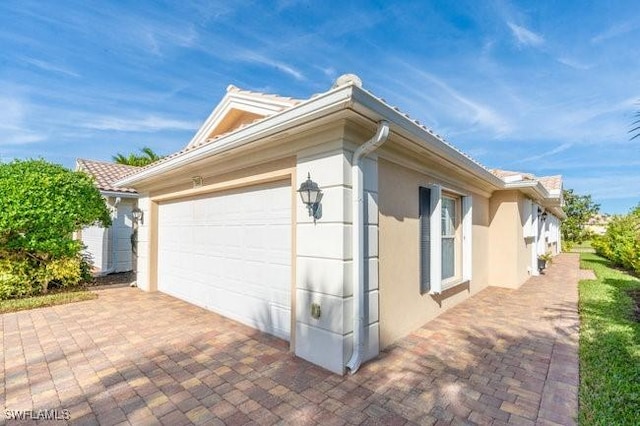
<point>22,276</point>
<point>566,246</point>
<point>15,277</point>
<point>621,241</point>
<point>42,204</point>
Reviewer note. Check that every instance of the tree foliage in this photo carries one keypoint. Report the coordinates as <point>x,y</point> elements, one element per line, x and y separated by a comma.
<point>578,208</point>
<point>41,205</point>
<point>621,241</point>
<point>146,157</point>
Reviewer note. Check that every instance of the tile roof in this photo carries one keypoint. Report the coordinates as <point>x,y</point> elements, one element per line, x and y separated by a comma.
<point>502,174</point>
<point>550,183</point>
<point>105,174</point>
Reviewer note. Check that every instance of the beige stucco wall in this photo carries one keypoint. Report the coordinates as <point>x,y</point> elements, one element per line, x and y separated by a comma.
<point>402,308</point>
<point>509,251</point>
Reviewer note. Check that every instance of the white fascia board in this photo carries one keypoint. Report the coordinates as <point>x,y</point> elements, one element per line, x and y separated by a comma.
<point>513,178</point>
<point>325,103</point>
<point>120,194</point>
<point>433,143</point>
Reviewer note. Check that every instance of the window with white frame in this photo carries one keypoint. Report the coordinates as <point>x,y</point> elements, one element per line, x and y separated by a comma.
<point>449,229</point>
<point>445,239</point>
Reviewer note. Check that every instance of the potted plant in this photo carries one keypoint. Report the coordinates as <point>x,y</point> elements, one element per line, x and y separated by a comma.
<point>543,259</point>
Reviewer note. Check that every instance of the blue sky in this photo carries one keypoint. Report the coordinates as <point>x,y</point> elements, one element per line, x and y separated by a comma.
<point>545,87</point>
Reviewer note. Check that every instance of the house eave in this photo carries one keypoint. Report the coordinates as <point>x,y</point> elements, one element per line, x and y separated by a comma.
<point>369,105</point>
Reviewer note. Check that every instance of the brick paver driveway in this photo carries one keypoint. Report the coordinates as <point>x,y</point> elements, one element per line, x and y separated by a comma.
<point>503,356</point>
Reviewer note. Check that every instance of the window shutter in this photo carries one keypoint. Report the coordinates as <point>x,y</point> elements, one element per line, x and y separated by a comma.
<point>528,229</point>
<point>425,240</point>
<point>467,231</point>
<point>436,240</point>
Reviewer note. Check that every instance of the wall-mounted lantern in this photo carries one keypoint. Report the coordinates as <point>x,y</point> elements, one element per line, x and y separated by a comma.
<point>542,214</point>
<point>138,215</point>
<point>311,195</point>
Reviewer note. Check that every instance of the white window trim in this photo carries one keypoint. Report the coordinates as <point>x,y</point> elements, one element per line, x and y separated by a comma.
<point>438,285</point>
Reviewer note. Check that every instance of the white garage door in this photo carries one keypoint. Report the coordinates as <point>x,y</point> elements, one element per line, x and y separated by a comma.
<point>231,253</point>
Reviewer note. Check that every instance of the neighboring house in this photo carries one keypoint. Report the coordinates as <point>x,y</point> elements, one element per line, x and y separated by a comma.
<point>598,223</point>
<point>407,227</point>
<point>111,248</point>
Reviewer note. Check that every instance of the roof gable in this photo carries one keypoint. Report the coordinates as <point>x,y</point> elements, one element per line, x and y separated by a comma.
<point>239,108</point>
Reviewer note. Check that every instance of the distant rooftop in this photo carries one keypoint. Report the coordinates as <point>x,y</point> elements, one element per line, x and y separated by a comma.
<point>105,174</point>
<point>553,184</point>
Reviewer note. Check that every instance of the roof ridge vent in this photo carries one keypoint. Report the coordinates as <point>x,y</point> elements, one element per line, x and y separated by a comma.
<point>347,80</point>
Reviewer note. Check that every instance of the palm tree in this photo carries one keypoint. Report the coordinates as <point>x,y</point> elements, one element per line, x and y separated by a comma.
<point>635,126</point>
<point>148,156</point>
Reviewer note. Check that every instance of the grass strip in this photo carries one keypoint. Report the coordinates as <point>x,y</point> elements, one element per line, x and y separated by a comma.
<point>609,346</point>
<point>50,299</point>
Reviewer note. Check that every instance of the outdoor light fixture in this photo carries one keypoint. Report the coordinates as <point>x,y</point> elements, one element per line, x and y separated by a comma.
<point>138,215</point>
<point>311,195</point>
<point>542,214</point>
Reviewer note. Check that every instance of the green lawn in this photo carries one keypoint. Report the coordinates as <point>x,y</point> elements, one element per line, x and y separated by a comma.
<point>609,347</point>
<point>58,298</point>
<point>584,247</point>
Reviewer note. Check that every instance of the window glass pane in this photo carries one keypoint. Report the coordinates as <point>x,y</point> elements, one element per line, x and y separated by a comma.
<point>448,257</point>
<point>448,216</point>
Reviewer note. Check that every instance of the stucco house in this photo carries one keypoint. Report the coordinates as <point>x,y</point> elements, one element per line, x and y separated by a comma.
<point>111,248</point>
<point>406,227</point>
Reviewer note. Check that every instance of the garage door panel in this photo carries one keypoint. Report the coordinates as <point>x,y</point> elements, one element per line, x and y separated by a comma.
<point>231,253</point>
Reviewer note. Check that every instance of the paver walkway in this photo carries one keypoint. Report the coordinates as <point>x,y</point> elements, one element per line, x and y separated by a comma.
<point>502,357</point>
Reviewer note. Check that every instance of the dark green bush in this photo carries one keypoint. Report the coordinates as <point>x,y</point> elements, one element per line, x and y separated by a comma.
<point>621,241</point>
<point>41,205</point>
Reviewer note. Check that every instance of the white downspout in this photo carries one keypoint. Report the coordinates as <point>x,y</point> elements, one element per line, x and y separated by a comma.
<point>357,242</point>
<point>112,235</point>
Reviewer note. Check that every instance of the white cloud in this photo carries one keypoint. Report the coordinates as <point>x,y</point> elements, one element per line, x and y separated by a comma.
<point>146,124</point>
<point>160,36</point>
<point>249,56</point>
<point>14,128</point>
<point>48,66</point>
<point>524,36</point>
<point>607,187</point>
<point>615,31</point>
<point>572,63</point>
<point>480,114</point>
<point>557,150</point>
